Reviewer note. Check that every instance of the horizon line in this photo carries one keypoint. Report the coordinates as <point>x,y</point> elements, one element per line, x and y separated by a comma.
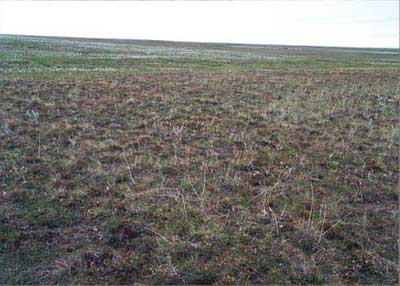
<point>200,42</point>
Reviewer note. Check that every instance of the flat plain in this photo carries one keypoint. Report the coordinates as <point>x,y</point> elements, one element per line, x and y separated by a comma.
<point>125,161</point>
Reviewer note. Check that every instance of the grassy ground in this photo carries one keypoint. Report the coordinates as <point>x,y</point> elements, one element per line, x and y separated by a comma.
<point>174,163</point>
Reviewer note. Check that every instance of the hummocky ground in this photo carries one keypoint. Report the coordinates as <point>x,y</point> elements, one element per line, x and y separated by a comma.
<point>183,163</point>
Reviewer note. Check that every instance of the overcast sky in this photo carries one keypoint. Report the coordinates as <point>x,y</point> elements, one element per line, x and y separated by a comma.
<point>325,23</point>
